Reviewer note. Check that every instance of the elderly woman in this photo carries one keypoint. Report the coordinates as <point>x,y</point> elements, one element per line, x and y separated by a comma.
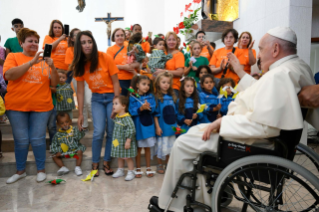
<point>28,101</point>
<point>219,59</point>
<point>247,55</point>
<point>59,43</point>
<point>101,74</point>
<point>177,63</point>
<point>119,54</point>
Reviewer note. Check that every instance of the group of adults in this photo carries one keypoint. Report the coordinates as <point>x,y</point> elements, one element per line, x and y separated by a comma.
<point>98,77</point>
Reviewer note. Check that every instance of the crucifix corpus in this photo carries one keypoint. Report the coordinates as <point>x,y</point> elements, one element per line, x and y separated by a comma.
<point>109,20</point>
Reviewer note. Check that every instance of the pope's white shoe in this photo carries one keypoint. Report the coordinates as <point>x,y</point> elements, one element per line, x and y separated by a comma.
<point>14,178</point>
<point>41,176</point>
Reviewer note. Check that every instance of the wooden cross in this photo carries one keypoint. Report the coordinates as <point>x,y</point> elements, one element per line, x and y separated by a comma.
<point>109,20</point>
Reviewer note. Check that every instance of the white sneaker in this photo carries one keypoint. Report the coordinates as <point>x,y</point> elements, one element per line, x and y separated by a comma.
<point>118,173</point>
<point>63,170</point>
<point>130,175</point>
<point>41,176</point>
<point>14,178</point>
<point>78,171</point>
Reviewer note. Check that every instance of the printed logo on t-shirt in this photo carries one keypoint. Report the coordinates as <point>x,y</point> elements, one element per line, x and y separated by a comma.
<point>33,75</point>
<point>61,48</point>
<point>96,79</point>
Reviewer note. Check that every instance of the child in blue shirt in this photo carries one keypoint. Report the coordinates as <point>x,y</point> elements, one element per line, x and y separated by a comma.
<point>207,97</point>
<point>201,71</point>
<point>187,104</point>
<point>142,115</point>
<point>226,84</point>
<point>165,117</point>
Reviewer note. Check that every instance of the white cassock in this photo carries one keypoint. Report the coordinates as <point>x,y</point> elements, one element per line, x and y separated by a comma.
<point>261,110</point>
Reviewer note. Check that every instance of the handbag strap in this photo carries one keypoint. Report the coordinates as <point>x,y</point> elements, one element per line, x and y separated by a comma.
<point>226,67</point>
<point>118,51</point>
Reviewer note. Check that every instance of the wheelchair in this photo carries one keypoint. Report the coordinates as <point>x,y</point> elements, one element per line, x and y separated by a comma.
<point>252,178</point>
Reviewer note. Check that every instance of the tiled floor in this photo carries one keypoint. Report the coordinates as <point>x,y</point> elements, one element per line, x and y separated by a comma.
<point>103,194</point>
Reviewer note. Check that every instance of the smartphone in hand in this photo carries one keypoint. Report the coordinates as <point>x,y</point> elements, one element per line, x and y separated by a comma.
<point>47,50</point>
<point>66,30</point>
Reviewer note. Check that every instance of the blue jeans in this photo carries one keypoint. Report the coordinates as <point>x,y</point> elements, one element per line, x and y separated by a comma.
<point>125,84</point>
<point>69,77</point>
<point>102,106</point>
<point>29,128</point>
<point>52,124</point>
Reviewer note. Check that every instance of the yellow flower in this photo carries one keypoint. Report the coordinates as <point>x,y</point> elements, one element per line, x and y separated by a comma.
<point>69,100</point>
<point>59,97</point>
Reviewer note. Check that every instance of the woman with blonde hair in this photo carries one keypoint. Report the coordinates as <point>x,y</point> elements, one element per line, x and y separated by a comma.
<point>247,55</point>
<point>175,65</point>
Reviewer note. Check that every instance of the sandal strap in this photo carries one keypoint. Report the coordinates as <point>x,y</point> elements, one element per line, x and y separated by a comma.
<point>150,172</point>
<point>138,172</point>
<point>97,167</point>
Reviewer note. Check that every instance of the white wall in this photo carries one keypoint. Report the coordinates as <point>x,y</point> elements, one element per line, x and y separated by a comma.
<point>258,16</point>
<point>157,16</point>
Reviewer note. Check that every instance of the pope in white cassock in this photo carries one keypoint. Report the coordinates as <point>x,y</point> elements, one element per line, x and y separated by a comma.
<point>261,110</point>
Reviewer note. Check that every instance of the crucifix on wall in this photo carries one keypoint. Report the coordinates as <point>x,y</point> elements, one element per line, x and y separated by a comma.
<point>109,20</point>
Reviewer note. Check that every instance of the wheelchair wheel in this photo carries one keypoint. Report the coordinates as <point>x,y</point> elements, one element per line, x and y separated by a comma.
<point>307,158</point>
<point>266,183</point>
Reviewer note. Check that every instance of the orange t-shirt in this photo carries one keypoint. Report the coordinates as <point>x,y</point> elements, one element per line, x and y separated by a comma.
<point>205,52</point>
<point>58,54</point>
<point>100,80</point>
<point>178,61</point>
<point>31,92</point>
<point>244,59</point>
<point>120,59</point>
<point>126,42</point>
<point>146,46</point>
<point>217,58</point>
<point>69,55</point>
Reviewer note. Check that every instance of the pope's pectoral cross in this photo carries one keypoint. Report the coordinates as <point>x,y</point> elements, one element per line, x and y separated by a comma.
<point>109,20</point>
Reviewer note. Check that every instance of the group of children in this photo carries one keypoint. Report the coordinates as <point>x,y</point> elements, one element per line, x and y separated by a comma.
<point>149,117</point>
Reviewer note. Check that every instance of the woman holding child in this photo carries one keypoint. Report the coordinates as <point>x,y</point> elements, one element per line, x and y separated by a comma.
<point>101,74</point>
<point>28,101</point>
<point>118,52</point>
<point>175,65</point>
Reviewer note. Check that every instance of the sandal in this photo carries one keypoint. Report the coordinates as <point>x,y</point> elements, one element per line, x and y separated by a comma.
<point>138,174</point>
<point>107,167</point>
<point>149,172</point>
<point>96,168</point>
<point>160,169</point>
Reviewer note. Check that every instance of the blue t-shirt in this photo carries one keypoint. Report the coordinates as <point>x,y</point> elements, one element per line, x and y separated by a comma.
<point>225,102</point>
<point>166,113</point>
<point>188,114</point>
<point>143,120</point>
<point>212,101</point>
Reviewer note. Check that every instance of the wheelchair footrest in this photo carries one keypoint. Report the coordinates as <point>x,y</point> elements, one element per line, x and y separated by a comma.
<point>153,206</point>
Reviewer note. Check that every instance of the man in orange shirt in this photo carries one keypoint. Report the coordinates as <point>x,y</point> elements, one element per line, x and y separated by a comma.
<point>207,50</point>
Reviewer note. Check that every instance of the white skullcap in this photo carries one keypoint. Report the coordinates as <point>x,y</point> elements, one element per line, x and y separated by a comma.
<point>284,33</point>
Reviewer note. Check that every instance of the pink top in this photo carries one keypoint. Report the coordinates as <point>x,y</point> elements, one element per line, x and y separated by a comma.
<point>2,56</point>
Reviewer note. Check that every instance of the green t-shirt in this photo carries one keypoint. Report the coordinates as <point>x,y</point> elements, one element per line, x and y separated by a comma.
<point>200,61</point>
<point>13,45</point>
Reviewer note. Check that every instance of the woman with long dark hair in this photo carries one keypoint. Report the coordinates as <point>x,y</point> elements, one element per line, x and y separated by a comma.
<point>100,72</point>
